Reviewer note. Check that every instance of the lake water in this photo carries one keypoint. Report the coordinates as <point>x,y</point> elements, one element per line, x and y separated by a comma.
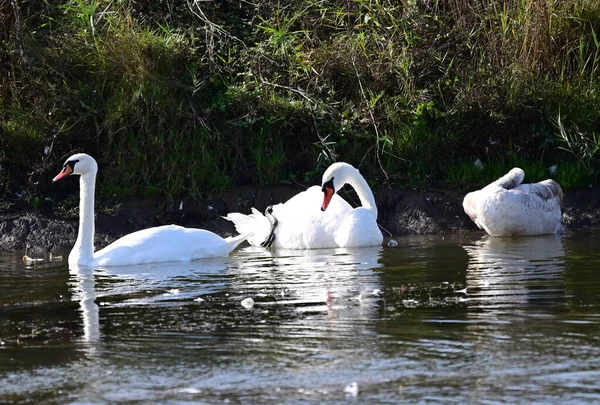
<point>396,321</point>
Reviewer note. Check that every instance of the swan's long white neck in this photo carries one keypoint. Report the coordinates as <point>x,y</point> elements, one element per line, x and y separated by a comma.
<point>83,251</point>
<point>360,185</point>
<point>365,195</point>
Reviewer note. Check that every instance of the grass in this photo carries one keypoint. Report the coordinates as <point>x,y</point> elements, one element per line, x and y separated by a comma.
<point>477,174</point>
<point>583,147</point>
<point>196,97</point>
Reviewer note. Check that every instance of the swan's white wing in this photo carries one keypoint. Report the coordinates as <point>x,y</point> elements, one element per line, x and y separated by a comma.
<point>546,190</point>
<point>359,229</point>
<point>165,244</point>
<point>302,224</point>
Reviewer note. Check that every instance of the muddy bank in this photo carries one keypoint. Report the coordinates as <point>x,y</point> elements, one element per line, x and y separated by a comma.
<point>401,212</point>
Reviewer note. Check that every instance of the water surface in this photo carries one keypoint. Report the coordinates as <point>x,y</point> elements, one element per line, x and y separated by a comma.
<point>454,319</point>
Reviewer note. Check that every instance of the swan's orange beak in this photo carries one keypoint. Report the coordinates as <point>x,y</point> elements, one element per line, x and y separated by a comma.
<point>327,195</point>
<point>67,170</point>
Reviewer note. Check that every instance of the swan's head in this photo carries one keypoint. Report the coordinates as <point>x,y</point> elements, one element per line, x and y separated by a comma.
<point>334,178</point>
<point>79,163</point>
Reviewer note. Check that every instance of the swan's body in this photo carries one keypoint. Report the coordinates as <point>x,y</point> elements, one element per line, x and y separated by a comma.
<point>160,244</point>
<point>303,223</point>
<point>507,207</point>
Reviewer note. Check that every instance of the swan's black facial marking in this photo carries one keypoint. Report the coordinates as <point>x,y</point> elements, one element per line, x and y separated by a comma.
<point>328,184</point>
<point>67,169</point>
<point>71,164</point>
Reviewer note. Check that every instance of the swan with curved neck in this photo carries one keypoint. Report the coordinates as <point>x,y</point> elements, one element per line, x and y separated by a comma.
<point>506,207</point>
<point>159,244</point>
<point>318,217</point>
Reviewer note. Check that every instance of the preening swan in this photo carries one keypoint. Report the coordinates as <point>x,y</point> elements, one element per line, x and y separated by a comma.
<point>507,207</point>
<point>160,244</point>
<point>318,217</point>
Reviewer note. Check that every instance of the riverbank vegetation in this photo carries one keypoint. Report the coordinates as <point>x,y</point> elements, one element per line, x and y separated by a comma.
<point>192,97</point>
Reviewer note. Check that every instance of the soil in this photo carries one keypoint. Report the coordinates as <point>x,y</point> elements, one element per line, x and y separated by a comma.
<point>401,212</point>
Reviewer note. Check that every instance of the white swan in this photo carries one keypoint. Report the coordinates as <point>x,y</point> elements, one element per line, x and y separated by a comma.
<point>301,223</point>
<point>507,207</point>
<point>160,244</point>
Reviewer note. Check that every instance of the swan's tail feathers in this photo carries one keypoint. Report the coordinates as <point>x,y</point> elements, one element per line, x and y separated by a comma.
<point>548,189</point>
<point>243,223</point>
<point>255,224</point>
<point>235,241</point>
<point>512,179</point>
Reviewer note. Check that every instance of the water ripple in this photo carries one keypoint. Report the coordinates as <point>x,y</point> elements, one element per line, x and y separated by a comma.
<point>453,319</point>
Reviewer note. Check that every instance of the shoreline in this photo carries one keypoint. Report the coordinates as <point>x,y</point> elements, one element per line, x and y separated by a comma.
<point>401,212</point>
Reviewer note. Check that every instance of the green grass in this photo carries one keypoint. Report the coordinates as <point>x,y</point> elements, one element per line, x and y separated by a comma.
<point>471,175</point>
<point>193,98</point>
<point>569,174</point>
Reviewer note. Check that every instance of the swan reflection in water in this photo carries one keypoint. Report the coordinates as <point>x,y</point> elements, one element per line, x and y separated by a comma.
<point>503,272</point>
<point>153,283</point>
<point>140,284</point>
<point>316,279</point>
<point>309,281</point>
<point>83,288</point>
